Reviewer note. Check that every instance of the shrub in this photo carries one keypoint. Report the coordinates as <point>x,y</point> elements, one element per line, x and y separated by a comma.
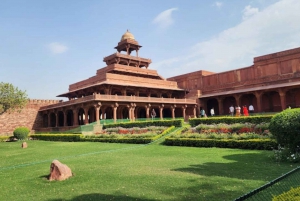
<point>292,194</point>
<point>21,133</point>
<point>285,127</point>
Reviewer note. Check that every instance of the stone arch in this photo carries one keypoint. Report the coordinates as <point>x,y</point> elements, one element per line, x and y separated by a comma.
<point>178,112</point>
<point>141,112</point>
<point>248,99</point>
<point>167,112</point>
<point>60,116</point>
<point>291,97</point>
<point>81,116</point>
<point>91,114</point>
<point>212,103</point>
<point>116,91</point>
<point>227,102</point>
<point>52,119</point>
<point>70,118</point>
<point>45,120</point>
<point>271,102</point>
<point>109,112</point>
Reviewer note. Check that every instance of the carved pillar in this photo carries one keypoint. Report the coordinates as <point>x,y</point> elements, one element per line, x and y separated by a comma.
<point>195,114</point>
<point>258,95</point>
<point>148,110</point>
<point>86,114</point>
<point>49,119</point>
<point>115,107</point>
<point>133,111</point>
<point>56,119</point>
<point>173,111</point>
<point>65,118</point>
<point>220,104</point>
<point>161,107</point>
<point>129,112</point>
<point>282,99</point>
<point>183,111</point>
<point>238,99</point>
<point>75,117</point>
<point>97,108</point>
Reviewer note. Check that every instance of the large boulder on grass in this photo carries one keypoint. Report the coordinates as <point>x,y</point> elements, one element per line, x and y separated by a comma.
<point>59,171</point>
<point>24,145</point>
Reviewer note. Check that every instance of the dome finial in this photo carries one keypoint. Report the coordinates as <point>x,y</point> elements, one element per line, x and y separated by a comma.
<point>127,35</point>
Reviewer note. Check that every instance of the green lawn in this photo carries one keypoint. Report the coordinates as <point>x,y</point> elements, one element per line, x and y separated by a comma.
<point>106,171</point>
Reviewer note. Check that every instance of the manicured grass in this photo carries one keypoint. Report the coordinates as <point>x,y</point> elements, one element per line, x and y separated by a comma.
<point>107,171</point>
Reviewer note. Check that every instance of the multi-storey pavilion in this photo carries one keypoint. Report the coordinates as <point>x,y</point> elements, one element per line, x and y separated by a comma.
<point>124,89</point>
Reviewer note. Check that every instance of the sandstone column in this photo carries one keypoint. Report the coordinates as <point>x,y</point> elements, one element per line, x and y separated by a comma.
<point>75,117</point>
<point>183,111</point>
<point>56,119</point>
<point>86,114</point>
<point>115,107</point>
<point>220,103</point>
<point>65,118</point>
<point>161,107</point>
<point>173,111</point>
<point>258,95</point>
<point>282,99</point>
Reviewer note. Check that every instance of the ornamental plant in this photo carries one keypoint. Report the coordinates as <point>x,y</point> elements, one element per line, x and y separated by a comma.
<point>21,133</point>
<point>285,127</point>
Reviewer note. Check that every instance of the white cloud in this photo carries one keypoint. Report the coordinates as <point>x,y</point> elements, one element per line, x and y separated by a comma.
<point>249,11</point>
<point>57,48</point>
<point>164,19</point>
<point>218,4</point>
<point>273,29</point>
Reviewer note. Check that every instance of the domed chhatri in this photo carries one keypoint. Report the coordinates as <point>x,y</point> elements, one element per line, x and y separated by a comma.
<point>127,35</point>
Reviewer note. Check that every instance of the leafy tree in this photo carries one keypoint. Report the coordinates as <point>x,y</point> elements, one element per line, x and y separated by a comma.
<point>11,98</point>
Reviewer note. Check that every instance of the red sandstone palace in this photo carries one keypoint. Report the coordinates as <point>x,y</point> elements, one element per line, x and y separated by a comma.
<point>126,88</point>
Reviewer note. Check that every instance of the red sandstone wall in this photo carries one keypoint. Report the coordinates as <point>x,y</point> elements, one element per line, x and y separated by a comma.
<point>28,117</point>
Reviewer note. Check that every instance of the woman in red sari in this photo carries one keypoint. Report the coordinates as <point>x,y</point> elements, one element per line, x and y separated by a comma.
<point>245,110</point>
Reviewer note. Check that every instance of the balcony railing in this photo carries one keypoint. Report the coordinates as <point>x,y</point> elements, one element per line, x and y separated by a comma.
<point>117,98</point>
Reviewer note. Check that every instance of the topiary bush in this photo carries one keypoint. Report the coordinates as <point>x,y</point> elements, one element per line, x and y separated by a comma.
<point>285,127</point>
<point>21,133</point>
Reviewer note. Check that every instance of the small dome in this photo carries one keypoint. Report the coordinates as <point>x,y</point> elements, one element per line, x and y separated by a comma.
<point>127,35</point>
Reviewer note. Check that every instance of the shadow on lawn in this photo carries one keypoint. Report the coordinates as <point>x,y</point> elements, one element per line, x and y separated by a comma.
<point>253,166</point>
<point>102,197</point>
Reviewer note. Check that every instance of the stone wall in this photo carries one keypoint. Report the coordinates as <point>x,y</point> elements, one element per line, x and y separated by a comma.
<point>28,117</point>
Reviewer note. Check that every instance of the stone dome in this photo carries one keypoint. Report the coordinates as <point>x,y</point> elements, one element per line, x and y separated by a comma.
<point>127,35</point>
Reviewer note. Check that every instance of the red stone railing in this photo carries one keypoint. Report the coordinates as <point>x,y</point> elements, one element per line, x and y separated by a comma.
<point>126,57</point>
<point>117,98</point>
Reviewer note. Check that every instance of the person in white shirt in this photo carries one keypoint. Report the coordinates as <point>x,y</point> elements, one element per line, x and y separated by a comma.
<point>212,112</point>
<point>251,109</point>
<point>231,110</point>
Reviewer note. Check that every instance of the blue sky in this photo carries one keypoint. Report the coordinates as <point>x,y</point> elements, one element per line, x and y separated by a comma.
<point>47,45</point>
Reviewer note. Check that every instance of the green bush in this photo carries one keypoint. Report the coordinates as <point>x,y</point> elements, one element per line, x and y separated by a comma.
<point>4,138</point>
<point>57,137</point>
<point>285,127</point>
<point>258,144</point>
<point>293,194</point>
<point>142,124</point>
<point>231,120</point>
<point>21,133</point>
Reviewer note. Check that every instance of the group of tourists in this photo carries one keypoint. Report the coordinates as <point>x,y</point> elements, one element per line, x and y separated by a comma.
<point>233,111</point>
<point>238,112</point>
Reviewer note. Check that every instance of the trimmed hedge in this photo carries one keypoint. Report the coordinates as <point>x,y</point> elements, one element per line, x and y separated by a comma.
<point>259,144</point>
<point>5,138</point>
<point>57,137</point>
<point>142,124</point>
<point>231,120</point>
<point>128,140</point>
<point>293,194</point>
<point>79,137</point>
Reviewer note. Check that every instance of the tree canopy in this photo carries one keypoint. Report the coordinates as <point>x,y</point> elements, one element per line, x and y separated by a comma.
<point>11,98</point>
